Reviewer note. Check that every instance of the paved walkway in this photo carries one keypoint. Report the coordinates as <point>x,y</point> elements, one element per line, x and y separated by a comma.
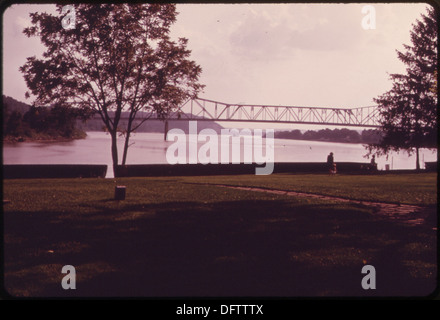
<point>408,214</point>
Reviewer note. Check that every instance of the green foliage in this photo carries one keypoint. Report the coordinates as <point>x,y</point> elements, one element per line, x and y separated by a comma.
<point>409,109</point>
<point>42,122</point>
<point>14,124</point>
<point>335,135</point>
<point>119,57</point>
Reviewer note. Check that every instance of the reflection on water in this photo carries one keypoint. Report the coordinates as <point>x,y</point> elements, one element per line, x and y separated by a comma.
<point>150,148</point>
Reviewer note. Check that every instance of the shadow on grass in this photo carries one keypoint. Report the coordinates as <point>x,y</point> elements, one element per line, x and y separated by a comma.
<point>235,249</point>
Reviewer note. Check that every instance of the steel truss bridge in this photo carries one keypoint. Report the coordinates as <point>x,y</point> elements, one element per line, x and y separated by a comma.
<point>208,110</point>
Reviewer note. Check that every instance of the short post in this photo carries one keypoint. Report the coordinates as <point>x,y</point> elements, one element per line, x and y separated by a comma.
<point>120,193</point>
<point>165,131</point>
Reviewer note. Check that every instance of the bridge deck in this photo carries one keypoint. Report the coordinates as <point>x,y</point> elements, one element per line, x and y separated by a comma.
<point>208,110</point>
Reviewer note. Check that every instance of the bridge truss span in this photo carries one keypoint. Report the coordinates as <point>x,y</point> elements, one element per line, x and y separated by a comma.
<point>209,110</point>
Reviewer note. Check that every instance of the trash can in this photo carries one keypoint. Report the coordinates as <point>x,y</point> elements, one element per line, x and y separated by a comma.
<point>120,193</point>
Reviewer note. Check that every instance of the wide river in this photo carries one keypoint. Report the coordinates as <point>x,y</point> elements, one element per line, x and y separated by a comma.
<point>150,148</point>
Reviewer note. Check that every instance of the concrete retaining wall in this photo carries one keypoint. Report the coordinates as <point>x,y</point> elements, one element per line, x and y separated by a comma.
<point>34,171</point>
<point>153,170</point>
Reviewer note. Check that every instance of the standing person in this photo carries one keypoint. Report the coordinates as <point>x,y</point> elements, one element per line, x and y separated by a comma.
<point>373,164</point>
<point>331,163</point>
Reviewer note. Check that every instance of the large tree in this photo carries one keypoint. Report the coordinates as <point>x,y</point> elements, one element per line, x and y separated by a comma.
<point>117,58</point>
<point>409,110</point>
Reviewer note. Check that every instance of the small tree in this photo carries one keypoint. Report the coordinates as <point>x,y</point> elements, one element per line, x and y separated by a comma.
<point>13,125</point>
<point>409,109</point>
<point>118,57</point>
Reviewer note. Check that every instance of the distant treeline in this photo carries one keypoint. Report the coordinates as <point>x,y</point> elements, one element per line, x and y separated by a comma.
<point>157,126</point>
<point>22,122</point>
<point>335,135</point>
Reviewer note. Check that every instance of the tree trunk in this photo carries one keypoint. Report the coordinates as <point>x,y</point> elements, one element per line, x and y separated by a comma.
<point>127,136</point>
<point>124,154</point>
<point>417,159</point>
<point>114,150</point>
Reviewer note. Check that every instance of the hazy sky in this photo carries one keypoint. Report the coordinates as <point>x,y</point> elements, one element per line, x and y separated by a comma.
<point>277,54</point>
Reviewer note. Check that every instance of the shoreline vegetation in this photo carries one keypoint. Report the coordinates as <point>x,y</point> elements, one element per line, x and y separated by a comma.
<point>44,138</point>
<point>368,136</point>
<point>80,134</point>
<point>24,123</point>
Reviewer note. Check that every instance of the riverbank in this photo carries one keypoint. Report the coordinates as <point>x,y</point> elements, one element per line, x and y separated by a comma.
<point>187,237</point>
<point>43,138</point>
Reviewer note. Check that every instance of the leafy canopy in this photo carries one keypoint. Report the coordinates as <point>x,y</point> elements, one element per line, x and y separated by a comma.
<point>118,57</point>
<point>409,109</point>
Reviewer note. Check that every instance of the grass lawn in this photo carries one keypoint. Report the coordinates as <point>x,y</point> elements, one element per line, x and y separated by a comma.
<point>184,236</point>
<point>416,189</point>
